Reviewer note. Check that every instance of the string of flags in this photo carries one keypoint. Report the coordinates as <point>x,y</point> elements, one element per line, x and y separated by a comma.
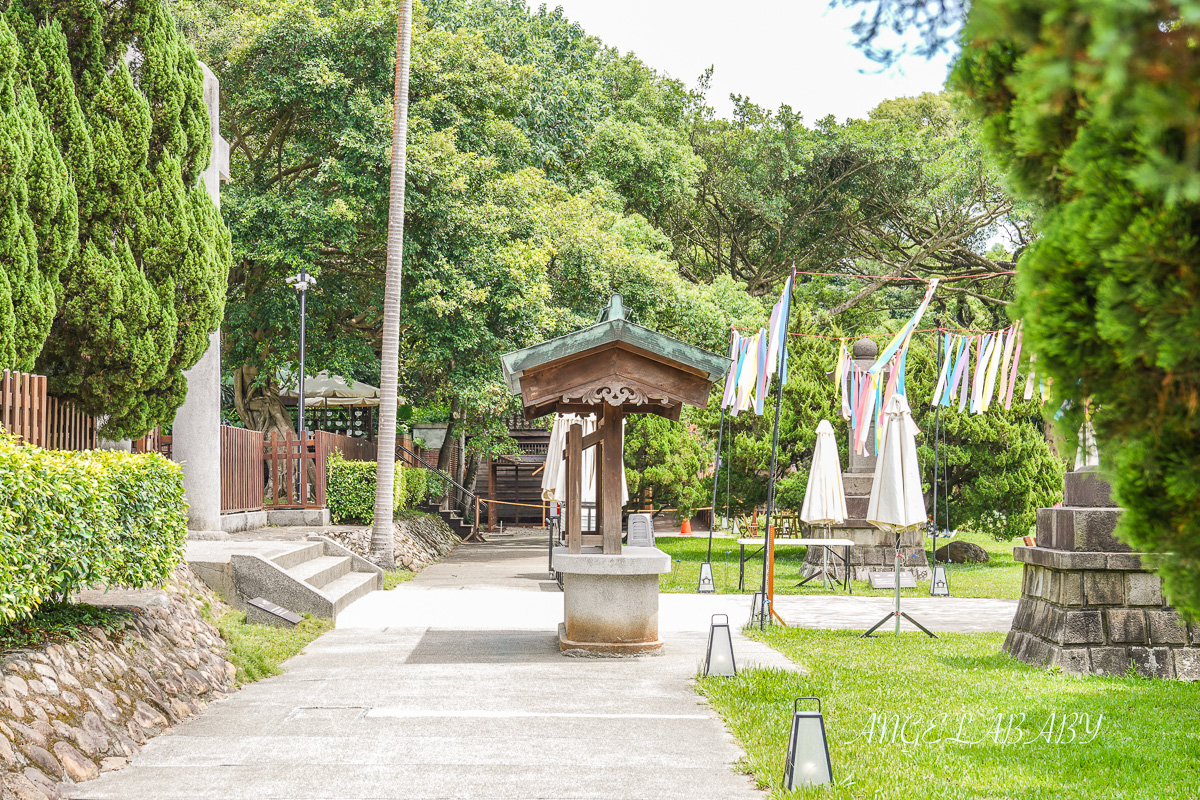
<point>977,370</point>
<point>755,358</point>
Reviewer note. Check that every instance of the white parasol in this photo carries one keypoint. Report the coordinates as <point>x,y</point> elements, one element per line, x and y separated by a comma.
<point>897,504</point>
<point>824,497</point>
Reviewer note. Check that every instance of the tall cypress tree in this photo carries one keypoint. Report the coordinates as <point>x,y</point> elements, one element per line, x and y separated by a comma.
<point>113,260</point>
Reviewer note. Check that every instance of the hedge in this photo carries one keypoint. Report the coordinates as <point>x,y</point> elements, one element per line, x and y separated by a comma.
<point>69,521</point>
<point>350,489</point>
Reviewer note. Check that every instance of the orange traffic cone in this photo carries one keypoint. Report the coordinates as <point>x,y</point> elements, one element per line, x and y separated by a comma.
<point>686,528</point>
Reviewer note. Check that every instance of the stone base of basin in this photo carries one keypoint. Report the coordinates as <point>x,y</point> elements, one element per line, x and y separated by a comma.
<point>611,601</point>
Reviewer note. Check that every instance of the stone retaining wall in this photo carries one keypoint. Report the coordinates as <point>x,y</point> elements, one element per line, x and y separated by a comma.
<point>71,710</point>
<point>421,540</point>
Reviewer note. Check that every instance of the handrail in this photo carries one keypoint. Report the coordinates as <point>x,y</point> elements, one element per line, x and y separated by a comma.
<point>440,474</point>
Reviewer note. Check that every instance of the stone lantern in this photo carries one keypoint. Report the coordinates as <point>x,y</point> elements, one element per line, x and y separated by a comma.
<point>608,370</point>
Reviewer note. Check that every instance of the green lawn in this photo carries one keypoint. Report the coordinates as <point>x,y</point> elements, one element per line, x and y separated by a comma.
<point>258,651</point>
<point>1140,740</point>
<point>999,577</point>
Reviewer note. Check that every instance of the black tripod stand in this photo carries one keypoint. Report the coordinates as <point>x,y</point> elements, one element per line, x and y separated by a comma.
<point>897,614</point>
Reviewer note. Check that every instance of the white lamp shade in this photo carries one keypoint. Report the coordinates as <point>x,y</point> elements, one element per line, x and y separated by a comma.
<point>706,579</point>
<point>719,661</point>
<point>808,752</point>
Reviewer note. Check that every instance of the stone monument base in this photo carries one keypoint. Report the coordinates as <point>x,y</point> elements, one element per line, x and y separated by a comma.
<point>1088,605</point>
<point>874,550</point>
<point>610,601</point>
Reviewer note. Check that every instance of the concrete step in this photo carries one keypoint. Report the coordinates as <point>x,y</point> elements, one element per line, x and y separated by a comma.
<point>303,552</point>
<point>321,570</point>
<point>348,588</point>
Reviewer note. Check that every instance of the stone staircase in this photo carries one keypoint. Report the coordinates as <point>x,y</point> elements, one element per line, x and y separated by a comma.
<point>452,518</point>
<point>317,576</point>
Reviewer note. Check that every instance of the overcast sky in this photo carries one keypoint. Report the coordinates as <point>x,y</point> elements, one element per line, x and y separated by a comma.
<point>799,52</point>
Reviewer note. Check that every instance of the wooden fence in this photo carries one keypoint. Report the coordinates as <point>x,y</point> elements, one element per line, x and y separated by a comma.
<point>242,476</point>
<point>28,412</point>
<point>295,468</point>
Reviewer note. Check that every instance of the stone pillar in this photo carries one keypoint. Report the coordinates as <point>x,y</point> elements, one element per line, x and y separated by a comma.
<point>1087,604</point>
<point>196,432</point>
<point>874,550</point>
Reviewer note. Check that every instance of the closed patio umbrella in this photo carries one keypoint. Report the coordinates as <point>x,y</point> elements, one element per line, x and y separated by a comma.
<point>824,497</point>
<point>897,504</point>
<point>554,476</point>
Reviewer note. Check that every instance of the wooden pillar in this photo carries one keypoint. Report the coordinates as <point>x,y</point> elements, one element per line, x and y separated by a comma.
<point>609,463</point>
<point>574,507</point>
<point>492,494</point>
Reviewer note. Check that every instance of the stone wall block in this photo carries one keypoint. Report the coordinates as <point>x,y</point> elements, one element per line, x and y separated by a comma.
<point>1044,529</point>
<point>1112,661</point>
<point>1064,529</point>
<point>1055,624</point>
<point>1073,660</point>
<point>1086,489</point>
<point>1153,662</point>
<point>1165,627</point>
<point>1103,588</point>
<point>1125,625</point>
<point>1143,589</point>
<point>1094,530</point>
<point>1083,627</point>
<point>1071,593</point>
<point>1187,663</point>
<point>1124,561</point>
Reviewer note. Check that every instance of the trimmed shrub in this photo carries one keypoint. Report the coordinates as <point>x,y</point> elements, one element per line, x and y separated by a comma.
<point>72,520</point>
<point>350,489</point>
<point>416,486</point>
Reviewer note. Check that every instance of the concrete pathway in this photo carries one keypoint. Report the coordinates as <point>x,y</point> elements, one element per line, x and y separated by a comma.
<point>452,686</point>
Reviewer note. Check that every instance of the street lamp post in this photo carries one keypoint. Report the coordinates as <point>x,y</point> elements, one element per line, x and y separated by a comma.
<point>301,282</point>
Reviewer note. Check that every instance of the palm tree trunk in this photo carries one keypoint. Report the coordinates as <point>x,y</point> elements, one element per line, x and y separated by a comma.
<point>383,530</point>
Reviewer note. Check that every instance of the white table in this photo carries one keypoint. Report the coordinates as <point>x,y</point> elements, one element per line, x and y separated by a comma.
<point>829,544</point>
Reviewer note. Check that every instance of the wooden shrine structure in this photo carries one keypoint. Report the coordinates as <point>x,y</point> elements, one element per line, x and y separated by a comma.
<point>609,370</point>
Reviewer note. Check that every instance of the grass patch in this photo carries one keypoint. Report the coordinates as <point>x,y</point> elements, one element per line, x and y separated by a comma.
<point>60,622</point>
<point>395,577</point>
<point>1146,744</point>
<point>1000,577</point>
<point>258,651</point>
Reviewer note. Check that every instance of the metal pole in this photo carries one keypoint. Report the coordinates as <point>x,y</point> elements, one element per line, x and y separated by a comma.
<point>716,475</point>
<point>300,396</point>
<point>937,429</point>
<point>771,475</point>
<point>898,537</point>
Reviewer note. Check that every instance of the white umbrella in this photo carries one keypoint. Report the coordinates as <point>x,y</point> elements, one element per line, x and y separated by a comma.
<point>824,497</point>
<point>897,504</point>
<point>327,389</point>
<point>554,476</point>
